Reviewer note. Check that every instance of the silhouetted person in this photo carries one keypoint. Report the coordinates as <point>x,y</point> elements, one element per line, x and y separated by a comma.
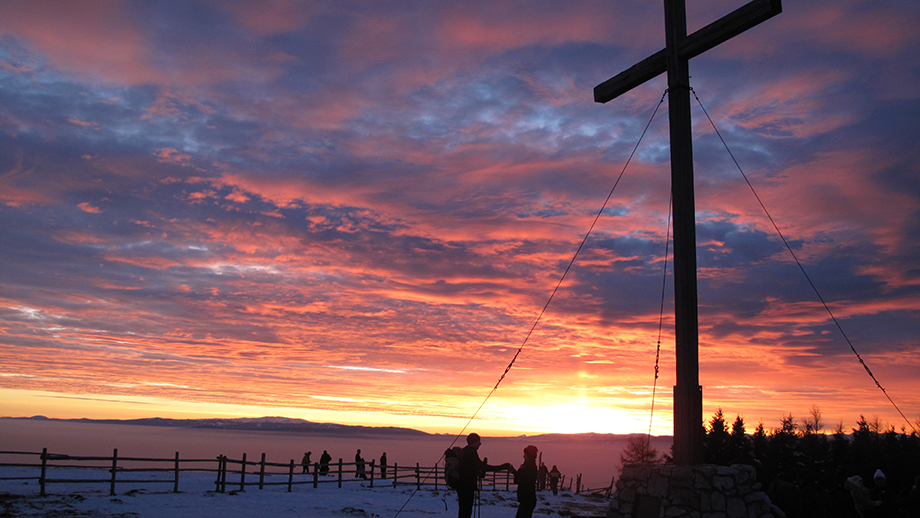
<point>306,462</point>
<point>383,465</point>
<point>526,479</point>
<point>542,473</point>
<point>554,476</point>
<point>359,466</point>
<point>324,462</point>
<point>472,468</point>
<point>880,492</point>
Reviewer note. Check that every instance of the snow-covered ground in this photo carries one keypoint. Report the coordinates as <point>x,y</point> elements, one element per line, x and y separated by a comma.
<point>197,499</point>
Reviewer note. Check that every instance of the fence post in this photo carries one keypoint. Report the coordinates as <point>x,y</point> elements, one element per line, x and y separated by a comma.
<point>372,473</point>
<point>340,473</point>
<point>418,478</point>
<point>176,481</point>
<point>223,480</point>
<point>262,473</point>
<point>114,468</point>
<point>219,465</point>
<point>395,473</point>
<point>435,476</point>
<point>291,476</point>
<point>243,474</point>
<point>315,474</point>
<point>41,479</point>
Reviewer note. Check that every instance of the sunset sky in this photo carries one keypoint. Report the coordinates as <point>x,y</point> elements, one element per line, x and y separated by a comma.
<point>354,211</point>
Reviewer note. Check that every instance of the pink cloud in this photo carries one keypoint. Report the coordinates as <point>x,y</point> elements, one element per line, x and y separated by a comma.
<point>201,195</point>
<point>288,192</point>
<point>93,36</point>
<point>833,194</point>
<point>271,17</point>
<point>328,109</point>
<point>79,237</point>
<point>237,196</point>
<point>875,33</point>
<point>173,156</point>
<point>15,197</point>
<point>98,40</point>
<point>152,262</point>
<point>503,32</point>
<point>11,194</point>
<point>782,107</point>
<point>85,124</point>
<point>86,207</point>
<point>172,105</point>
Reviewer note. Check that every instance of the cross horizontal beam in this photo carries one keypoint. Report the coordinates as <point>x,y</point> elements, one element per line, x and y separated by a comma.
<point>693,45</point>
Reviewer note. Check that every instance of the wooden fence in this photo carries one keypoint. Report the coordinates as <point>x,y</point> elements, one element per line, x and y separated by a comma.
<point>235,475</point>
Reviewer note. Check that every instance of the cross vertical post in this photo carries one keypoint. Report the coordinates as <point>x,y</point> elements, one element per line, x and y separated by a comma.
<point>688,395</point>
<point>674,59</point>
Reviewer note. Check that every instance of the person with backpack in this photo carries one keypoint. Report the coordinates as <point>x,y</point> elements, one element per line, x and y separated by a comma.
<point>452,466</point>
<point>526,479</point>
<point>554,476</point>
<point>471,469</point>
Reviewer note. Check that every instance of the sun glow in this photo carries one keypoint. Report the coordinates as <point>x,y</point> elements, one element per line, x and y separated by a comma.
<point>506,421</point>
<point>576,418</point>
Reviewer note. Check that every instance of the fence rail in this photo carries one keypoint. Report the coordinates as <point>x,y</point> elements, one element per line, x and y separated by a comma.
<point>242,473</point>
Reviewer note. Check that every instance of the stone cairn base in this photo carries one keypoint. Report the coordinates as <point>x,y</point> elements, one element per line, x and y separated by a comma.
<point>706,491</point>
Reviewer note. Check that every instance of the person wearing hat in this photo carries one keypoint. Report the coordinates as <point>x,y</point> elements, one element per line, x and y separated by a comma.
<point>472,468</point>
<point>881,493</point>
<point>526,479</point>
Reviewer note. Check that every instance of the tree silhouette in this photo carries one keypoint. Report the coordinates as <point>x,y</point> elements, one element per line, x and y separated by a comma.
<point>639,450</point>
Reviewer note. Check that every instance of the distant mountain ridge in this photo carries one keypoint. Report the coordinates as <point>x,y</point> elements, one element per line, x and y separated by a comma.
<point>292,425</point>
<point>262,424</point>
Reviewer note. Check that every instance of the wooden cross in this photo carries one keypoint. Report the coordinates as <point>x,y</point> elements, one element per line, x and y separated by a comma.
<point>674,59</point>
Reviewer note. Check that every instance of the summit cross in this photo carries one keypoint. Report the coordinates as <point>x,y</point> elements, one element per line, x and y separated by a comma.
<point>674,59</point>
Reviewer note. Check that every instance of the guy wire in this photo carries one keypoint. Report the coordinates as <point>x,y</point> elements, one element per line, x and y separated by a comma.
<point>567,268</point>
<point>555,289</point>
<point>801,267</point>
<point>664,279</point>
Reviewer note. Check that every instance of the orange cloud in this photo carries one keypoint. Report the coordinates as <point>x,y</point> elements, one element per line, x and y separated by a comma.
<point>237,196</point>
<point>173,156</point>
<point>86,207</point>
<point>85,124</point>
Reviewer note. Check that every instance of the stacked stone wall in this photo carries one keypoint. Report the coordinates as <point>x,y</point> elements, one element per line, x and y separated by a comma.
<point>691,492</point>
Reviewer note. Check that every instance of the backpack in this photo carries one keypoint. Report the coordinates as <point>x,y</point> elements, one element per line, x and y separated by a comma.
<point>452,459</point>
